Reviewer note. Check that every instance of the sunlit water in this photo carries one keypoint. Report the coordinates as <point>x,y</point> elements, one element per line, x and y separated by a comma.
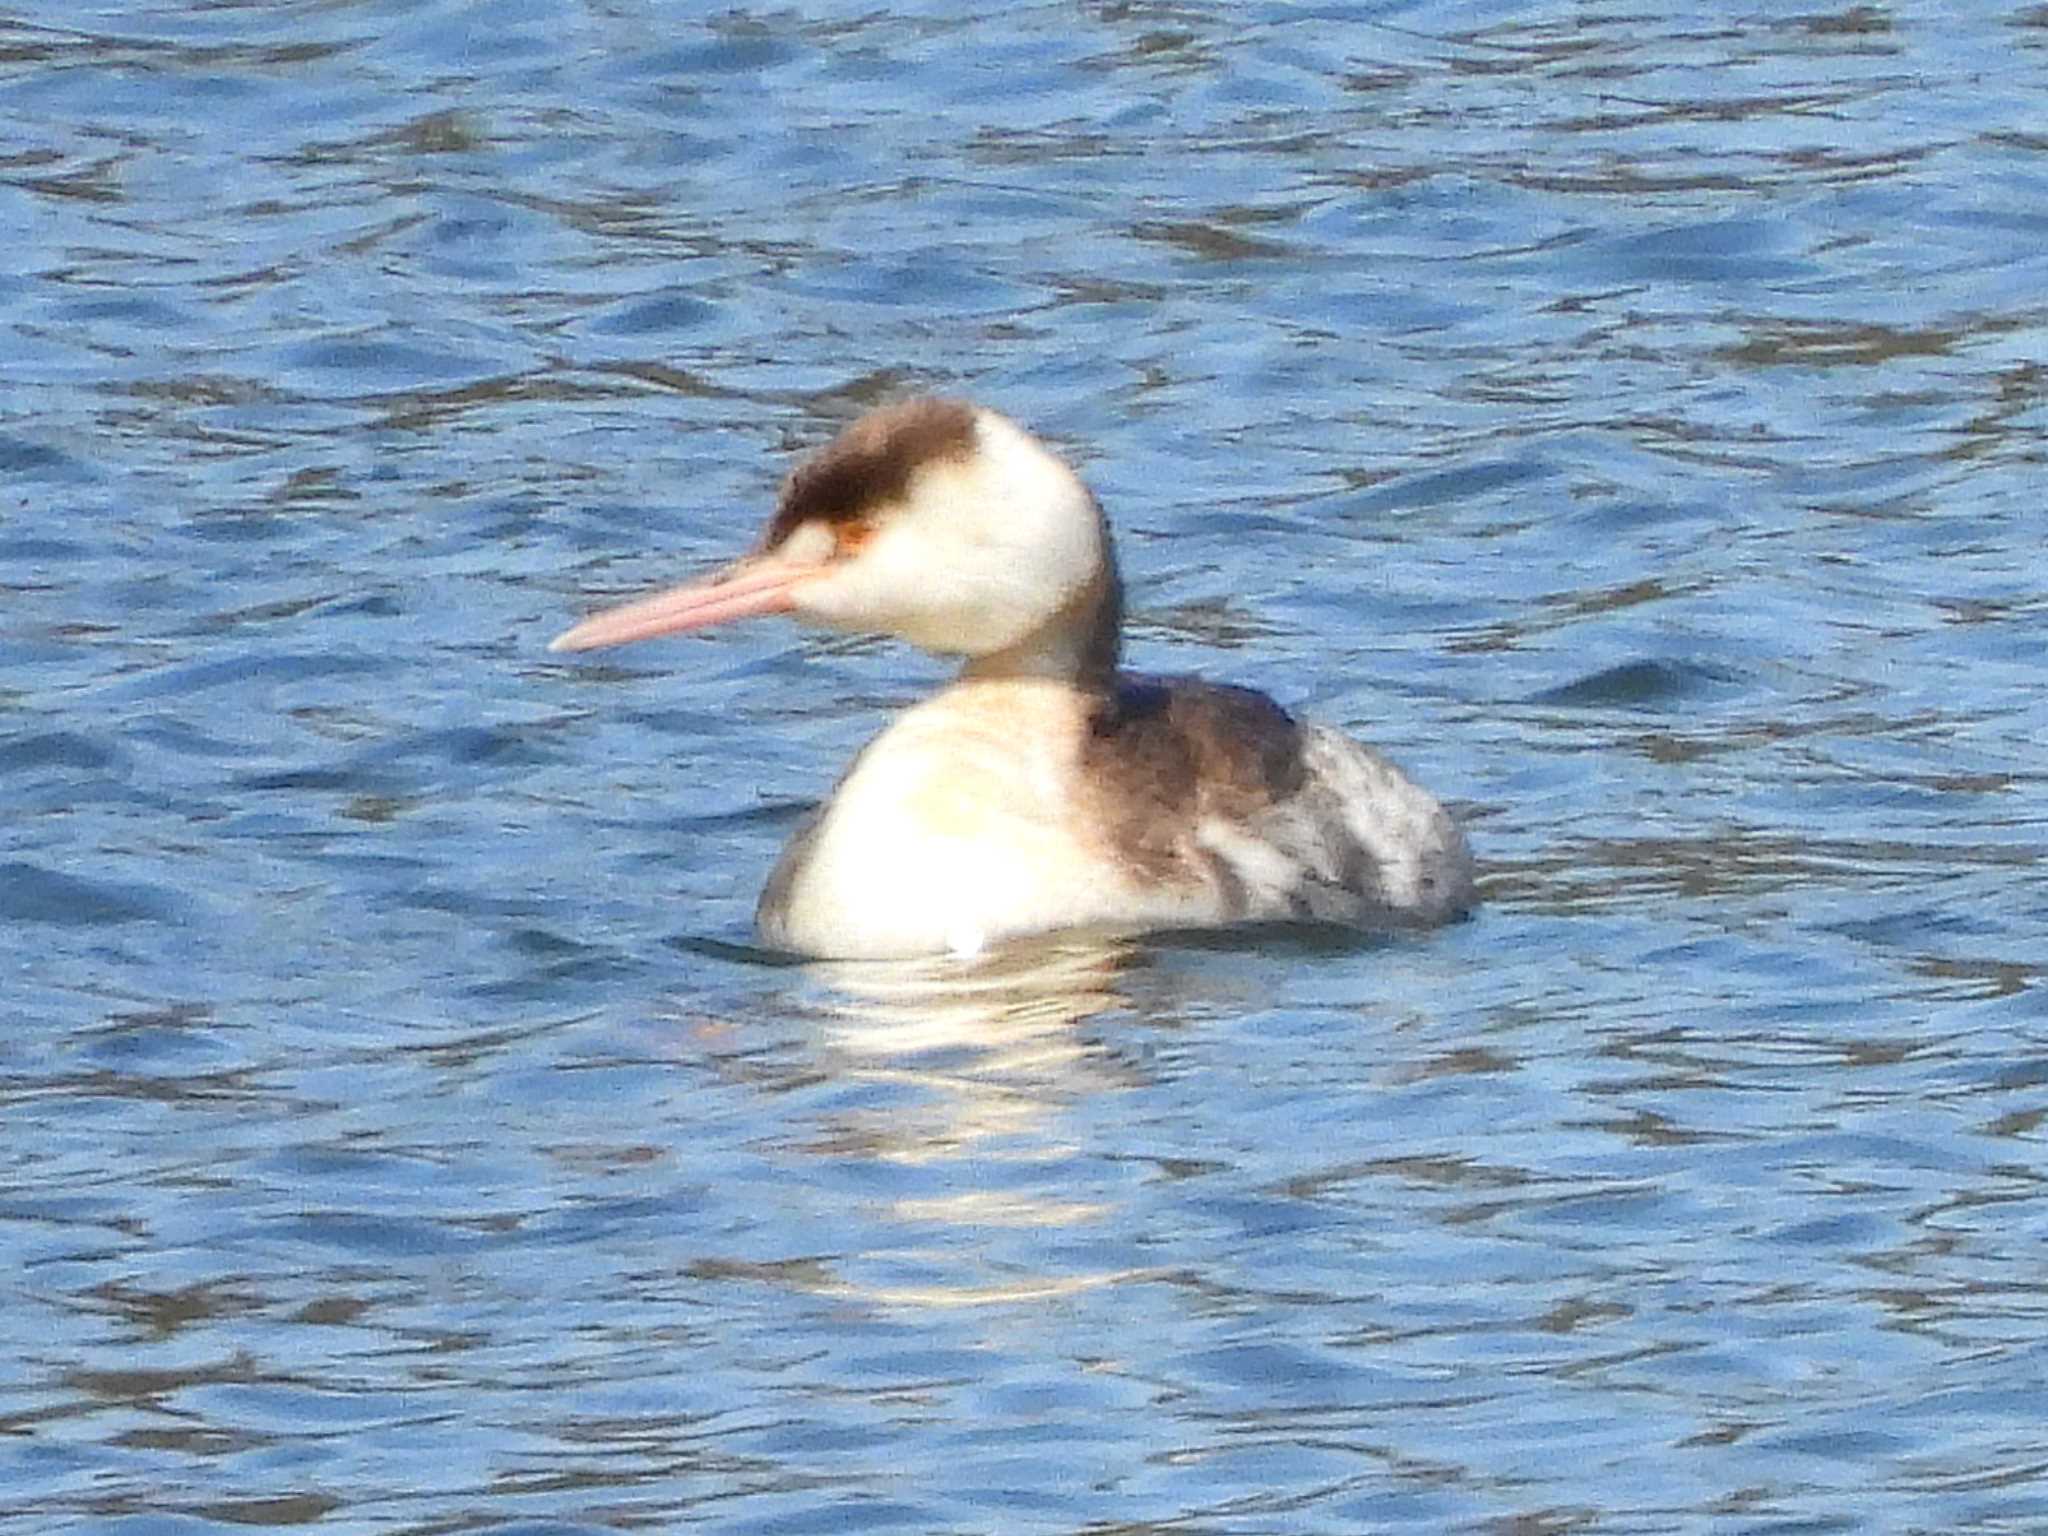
<point>1634,423</point>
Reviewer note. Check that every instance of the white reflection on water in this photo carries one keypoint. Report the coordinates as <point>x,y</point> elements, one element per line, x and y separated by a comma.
<point>975,1064</point>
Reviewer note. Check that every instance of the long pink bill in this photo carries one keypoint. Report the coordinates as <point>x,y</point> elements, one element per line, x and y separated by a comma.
<point>738,592</point>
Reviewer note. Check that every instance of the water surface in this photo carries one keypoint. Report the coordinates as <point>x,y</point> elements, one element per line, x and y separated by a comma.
<point>1634,424</point>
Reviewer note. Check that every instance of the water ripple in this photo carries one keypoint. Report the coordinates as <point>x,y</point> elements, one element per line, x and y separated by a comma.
<point>1630,422</point>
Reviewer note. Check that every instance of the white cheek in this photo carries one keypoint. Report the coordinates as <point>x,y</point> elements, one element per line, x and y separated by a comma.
<point>963,592</point>
<point>809,543</point>
<point>871,592</point>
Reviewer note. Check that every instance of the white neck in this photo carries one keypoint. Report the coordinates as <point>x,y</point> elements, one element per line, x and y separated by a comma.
<point>1078,644</point>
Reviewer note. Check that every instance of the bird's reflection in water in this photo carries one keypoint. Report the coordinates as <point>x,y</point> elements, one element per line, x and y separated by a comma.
<point>967,1139</point>
<point>947,1133</point>
<point>997,1043</point>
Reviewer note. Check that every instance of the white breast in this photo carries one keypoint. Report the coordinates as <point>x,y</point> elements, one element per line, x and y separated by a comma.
<point>953,830</point>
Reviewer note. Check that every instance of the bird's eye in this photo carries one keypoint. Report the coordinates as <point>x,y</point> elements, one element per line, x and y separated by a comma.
<point>850,537</point>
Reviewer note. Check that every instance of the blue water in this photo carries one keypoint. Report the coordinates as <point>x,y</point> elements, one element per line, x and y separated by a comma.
<point>1634,422</point>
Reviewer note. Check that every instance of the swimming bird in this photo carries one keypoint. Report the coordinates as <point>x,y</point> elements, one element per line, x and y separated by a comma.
<point>1043,789</point>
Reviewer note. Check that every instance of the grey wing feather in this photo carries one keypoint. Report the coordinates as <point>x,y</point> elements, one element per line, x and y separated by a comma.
<point>1357,843</point>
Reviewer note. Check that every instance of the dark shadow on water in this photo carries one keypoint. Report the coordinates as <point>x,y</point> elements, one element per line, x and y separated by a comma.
<point>771,813</point>
<point>1307,941</point>
<point>1651,683</point>
<point>735,952</point>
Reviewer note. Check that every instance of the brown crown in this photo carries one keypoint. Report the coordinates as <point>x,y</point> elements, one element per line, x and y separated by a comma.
<point>871,464</point>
